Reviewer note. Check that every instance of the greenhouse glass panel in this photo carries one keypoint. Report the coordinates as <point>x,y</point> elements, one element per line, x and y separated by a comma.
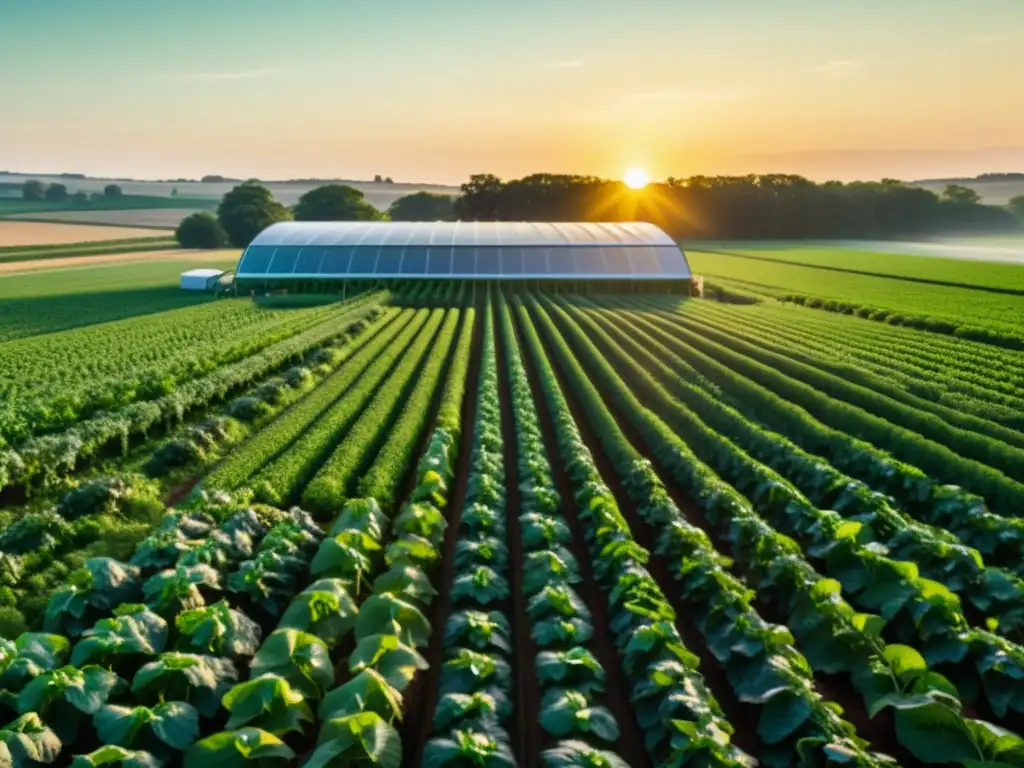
<point>464,261</point>
<point>643,261</point>
<point>284,260</point>
<point>560,261</point>
<point>257,259</point>
<point>309,261</point>
<point>389,260</point>
<point>336,260</point>
<point>488,261</point>
<point>439,261</point>
<point>414,261</point>
<point>364,259</point>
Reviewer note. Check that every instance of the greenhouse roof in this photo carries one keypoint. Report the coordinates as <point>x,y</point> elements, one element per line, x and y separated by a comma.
<point>463,250</point>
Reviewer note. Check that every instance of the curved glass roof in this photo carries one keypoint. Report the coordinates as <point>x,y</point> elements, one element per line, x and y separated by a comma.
<point>484,250</point>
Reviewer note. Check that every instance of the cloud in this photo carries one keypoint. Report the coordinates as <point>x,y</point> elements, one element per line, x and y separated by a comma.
<point>839,67</point>
<point>247,74</point>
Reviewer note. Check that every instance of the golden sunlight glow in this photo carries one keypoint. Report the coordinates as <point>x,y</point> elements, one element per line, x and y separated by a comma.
<point>636,178</point>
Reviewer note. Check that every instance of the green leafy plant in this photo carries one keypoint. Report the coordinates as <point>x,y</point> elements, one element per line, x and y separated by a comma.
<point>468,749</point>
<point>218,629</point>
<point>576,668</point>
<point>579,754</point>
<point>62,697</point>
<point>28,741</point>
<point>134,630</point>
<point>170,725</point>
<point>94,590</point>
<point>200,680</point>
<point>302,659</point>
<point>267,702</point>
<point>367,691</point>
<point>365,738</point>
<point>172,591</point>
<point>324,609</point>
<point>236,749</point>
<point>390,615</point>
<point>478,630</point>
<point>396,662</point>
<point>112,755</point>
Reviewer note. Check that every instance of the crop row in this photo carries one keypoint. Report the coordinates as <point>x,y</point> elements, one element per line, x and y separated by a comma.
<point>860,382</point>
<point>996,592</point>
<point>760,660</point>
<point>814,421</point>
<point>245,461</point>
<point>985,392</point>
<point>46,458</point>
<point>289,672</point>
<point>50,382</point>
<point>835,638</point>
<point>917,611</point>
<point>986,463</point>
<point>419,367</point>
<point>572,679</point>
<point>279,481</point>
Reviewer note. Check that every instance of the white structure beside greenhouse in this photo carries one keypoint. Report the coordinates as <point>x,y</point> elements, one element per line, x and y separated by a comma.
<point>201,279</point>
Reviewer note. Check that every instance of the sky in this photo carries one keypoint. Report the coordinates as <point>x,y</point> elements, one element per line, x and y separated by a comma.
<point>435,90</point>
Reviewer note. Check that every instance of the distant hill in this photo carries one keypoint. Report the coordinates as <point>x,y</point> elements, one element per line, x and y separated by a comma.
<point>994,188</point>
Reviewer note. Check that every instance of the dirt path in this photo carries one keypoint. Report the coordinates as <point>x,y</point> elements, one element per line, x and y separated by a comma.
<point>176,254</point>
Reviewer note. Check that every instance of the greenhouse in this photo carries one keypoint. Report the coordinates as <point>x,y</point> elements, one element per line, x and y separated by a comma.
<point>311,253</point>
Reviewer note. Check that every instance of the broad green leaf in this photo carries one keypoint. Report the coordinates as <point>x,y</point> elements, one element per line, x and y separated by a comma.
<point>233,749</point>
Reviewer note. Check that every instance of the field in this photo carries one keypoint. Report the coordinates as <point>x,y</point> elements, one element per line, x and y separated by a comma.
<point>155,218</point>
<point>26,234</point>
<point>979,300</point>
<point>456,525</point>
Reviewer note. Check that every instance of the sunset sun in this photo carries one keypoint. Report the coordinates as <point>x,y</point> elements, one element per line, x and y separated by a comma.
<point>636,178</point>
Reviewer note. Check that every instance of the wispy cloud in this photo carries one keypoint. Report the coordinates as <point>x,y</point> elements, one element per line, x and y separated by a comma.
<point>839,67</point>
<point>246,74</point>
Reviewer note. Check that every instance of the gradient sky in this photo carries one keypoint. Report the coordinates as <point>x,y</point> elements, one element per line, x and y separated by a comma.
<point>433,90</point>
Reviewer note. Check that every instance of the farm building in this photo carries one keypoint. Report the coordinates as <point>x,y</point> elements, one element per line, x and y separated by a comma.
<point>321,255</point>
<point>201,279</point>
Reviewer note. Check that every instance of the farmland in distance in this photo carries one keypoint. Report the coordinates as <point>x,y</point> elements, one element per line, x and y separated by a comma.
<point>451,524</point>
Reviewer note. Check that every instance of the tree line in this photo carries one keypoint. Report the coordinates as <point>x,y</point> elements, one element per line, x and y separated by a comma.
<point>740,207</point>
<point>726,207</point>
<point>33,189</point>
<point>250,207</point>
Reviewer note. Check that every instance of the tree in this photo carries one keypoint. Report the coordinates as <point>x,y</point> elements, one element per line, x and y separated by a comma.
<point>201,230</point>
<point>377,179</point>
<point>957,193</point>
<point>33,190</point>
<point>1016,206</point>
<point>81,196</point>
<point>247,210</point>
<point>335,202</point>
<point>56,193</point>
<point>112,190</point>
<point>174,191</point>
<point>423,206</point>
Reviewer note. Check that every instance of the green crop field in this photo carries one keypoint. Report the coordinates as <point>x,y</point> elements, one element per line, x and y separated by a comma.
<point>983,314</point>
<point>458,524</point>
<point>58,299</point>
<point>14,206</point>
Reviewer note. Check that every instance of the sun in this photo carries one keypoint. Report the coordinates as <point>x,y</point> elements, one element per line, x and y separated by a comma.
<point>636,178</point>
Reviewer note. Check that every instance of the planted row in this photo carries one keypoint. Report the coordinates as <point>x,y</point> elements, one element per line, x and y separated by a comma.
<point>246,460</point>
<point>571,678</point>
<point>834,637</point>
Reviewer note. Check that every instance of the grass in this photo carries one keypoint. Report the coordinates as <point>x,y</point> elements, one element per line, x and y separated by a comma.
<point>14,206</point>
<point>957,272</point>
<point>55,300</point>
<point>33,253</point>
<point>1003,313</point>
